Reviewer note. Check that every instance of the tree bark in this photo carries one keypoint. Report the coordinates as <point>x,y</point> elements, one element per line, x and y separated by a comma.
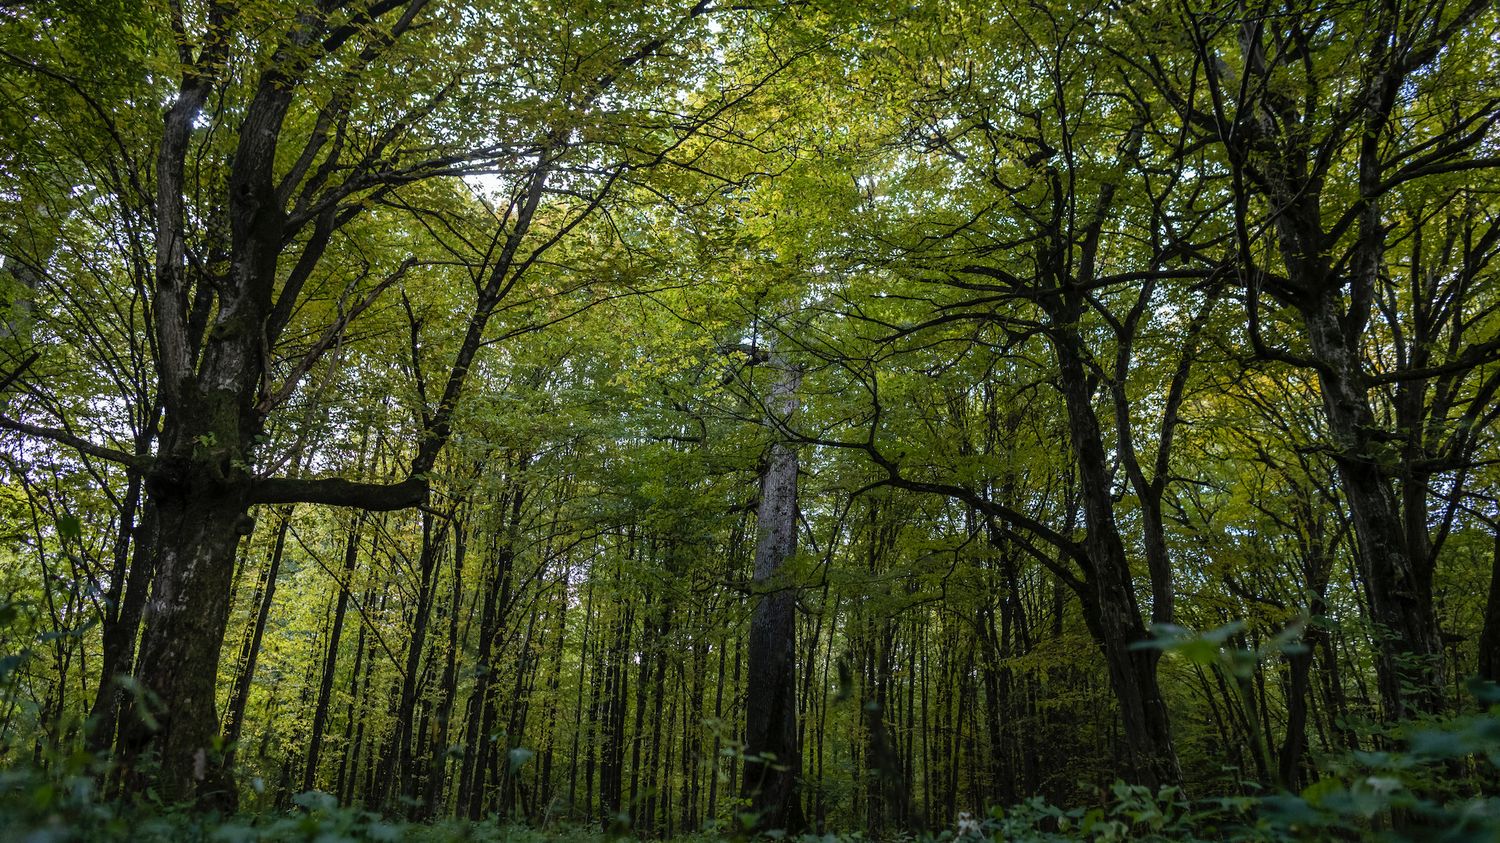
<point>773,759</point>
<point>1398,587</point>
<point>201,521</point>
<point>119,637</point>
<point>396,763</point>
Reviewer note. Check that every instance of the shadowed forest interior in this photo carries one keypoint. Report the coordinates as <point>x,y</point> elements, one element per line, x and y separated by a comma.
<point>983,418</point>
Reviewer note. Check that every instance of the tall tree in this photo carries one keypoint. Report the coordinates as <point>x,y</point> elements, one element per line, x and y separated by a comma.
<point>773,756</point>
<point>301,117</point>
<point>1324,135</point>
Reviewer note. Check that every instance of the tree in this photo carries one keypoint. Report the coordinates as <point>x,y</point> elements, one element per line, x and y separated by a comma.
<point>302,120</point>
<point>1326,140</point>
<point>773,758</point>
<point>634,415</point>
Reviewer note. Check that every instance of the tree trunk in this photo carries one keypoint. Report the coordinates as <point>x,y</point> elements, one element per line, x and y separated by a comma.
<point>350,755</point>
<point>578,707</point>
<point>250,652</point>
<point>1398,587</point>
<point>616,701</point>
<point>773,760</point>
<point>201,521</point>
<point>1110,606</point>
<point>397,761</point>
<point>437,774</point>
<point>1489,638</point>
<point>119,636</point>
<point>330,664</point>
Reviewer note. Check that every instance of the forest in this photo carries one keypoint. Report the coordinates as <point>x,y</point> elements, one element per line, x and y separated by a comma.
<point>835,420</point>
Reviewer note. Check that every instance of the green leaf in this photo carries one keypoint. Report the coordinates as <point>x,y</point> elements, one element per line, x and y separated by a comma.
<point>518,757</point>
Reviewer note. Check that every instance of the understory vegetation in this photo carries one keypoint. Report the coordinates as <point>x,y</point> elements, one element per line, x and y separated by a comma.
<point>799,419</point>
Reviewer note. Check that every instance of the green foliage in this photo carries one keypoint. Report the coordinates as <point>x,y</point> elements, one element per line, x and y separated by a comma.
<point>1013,248</point>
<point>1402,794</point>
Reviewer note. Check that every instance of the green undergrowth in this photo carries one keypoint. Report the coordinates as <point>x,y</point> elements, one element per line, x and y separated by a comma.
<point>1438,782</point>
<point>1408,793</point>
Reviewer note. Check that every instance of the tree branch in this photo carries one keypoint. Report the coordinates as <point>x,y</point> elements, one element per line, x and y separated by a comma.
<point>77,443</point>
<point>333,491</point>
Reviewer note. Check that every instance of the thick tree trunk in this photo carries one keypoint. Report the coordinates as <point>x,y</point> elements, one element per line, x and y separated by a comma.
<point>1289,771</point>
<point>200,484</point>
<point>773,760</point>
<point>1399,590</point>
<point>201,521</point>
<point>1150,757</point>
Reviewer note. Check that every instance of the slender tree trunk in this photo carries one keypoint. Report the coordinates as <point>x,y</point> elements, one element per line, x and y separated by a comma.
<point>119,637</point>
<point>330,663</point>
<point>692,734</point>
<point>437,774</point>
<point>496,583</point>
<point>396,762</point>
<point>616,691</point>
<point>351,744</point>
<point>1111,610</point>
<point>714,760</point>
<point>658,694</point>
<point>250,653</point>
<point>583,675</point>
<point>1489,638</point>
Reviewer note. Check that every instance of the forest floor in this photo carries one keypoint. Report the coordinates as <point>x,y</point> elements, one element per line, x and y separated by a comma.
<point>1438,781</point>
<point>1372,808</point>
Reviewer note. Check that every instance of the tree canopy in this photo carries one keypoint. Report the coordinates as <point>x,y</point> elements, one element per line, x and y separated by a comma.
<point>1013,418</point>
